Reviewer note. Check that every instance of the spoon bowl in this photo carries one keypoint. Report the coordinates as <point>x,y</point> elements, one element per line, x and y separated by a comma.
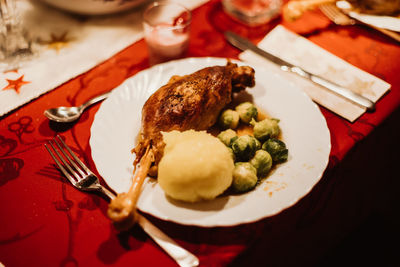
<point>70,114</point>
<point>63,114</point>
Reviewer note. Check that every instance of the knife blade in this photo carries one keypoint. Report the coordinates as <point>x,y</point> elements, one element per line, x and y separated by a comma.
<point>244,44</point>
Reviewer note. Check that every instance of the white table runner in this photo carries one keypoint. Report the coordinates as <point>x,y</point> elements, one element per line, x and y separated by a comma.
<point>66,46</point>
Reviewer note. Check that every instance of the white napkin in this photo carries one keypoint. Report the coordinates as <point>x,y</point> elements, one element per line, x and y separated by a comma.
<point>301,52</point>
<point>66,46</point>
<point>386,22</point>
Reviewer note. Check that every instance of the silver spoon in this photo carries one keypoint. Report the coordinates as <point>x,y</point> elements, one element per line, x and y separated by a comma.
<point>69,114</point>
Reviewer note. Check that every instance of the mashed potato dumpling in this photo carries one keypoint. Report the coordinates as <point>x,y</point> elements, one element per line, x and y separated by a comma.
<point>196,166</point>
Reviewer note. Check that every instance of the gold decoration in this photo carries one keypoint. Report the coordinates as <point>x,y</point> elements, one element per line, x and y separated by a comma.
<point>57,42</point>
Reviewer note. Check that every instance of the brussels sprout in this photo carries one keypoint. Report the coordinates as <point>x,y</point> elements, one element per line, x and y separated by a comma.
<point>244,147</point>
<point>258,144</point>
<point>227,137</point>
<point>244,177</point>
<point>247,111</point>
<point>262,161</point>
<point>232,154</point>
<point>265,129</point>
<point>277,149</point>
<point>229,119</point>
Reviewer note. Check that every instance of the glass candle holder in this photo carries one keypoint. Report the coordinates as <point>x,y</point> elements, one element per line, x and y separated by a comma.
<point>166,31</point>
<point>253,12</point>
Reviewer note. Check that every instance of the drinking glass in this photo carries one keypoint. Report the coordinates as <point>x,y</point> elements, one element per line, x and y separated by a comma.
<point>14,44</point>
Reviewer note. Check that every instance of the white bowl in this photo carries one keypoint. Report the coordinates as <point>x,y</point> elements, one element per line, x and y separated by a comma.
<point>94,7</point>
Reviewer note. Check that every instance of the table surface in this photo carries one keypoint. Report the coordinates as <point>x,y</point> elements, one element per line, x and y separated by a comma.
<point>44,221</point>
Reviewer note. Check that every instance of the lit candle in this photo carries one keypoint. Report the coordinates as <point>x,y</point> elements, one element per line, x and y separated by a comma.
<point>166,28</point>
<point>166,42</point>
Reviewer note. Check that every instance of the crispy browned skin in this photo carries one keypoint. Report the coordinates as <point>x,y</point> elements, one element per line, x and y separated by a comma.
<point>189,102</point>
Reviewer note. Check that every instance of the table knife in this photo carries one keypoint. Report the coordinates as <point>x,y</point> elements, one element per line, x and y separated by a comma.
<point>244,44</point>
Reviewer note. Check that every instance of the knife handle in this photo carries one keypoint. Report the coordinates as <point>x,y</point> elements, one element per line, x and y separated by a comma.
<point>182,257</point>
<point>337,89</point>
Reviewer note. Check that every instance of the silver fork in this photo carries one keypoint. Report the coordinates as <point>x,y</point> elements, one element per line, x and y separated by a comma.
<point>83,179</point>
<point>340,18</point>
<point>79,176</point>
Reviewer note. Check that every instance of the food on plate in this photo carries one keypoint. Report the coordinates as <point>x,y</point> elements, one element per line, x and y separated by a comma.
<point>258,144</point>
<point>277,149</point>
<point>213,159</point>
<point>244,177</point>
<point>256,148</point>
<point>244,147</point>
<point>265,129</point>
<point>227,137</point>
<point>187,102</point>
<point>262,161</point>
<point>294,9</point>
<point>232,154</point>
<point>229,119</point>
<point>247,111</point>
<point>195,166</point>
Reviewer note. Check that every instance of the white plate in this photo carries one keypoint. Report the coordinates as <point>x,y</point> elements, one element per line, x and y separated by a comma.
<point>304,129</point>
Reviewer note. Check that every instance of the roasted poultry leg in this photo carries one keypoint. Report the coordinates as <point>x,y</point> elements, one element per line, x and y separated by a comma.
<point>186,102</point>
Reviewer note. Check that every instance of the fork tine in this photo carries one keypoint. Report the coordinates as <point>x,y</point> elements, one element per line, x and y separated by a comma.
<point>328,12</point>
<point>74,156</point>
<point>76,168</point>
<point>341,17</point>
<point>71,171</point>
<point>336,15</point>
<point>60,166</point>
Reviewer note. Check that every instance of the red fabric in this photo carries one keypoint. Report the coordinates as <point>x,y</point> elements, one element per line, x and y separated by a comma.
<point>44,221</point>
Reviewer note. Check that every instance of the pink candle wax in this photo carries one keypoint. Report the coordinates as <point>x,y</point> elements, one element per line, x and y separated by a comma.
<point>166,43</point>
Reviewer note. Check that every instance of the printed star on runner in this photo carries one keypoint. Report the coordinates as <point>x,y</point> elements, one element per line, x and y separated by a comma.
<point>58,42</point>
<point>15,84</point>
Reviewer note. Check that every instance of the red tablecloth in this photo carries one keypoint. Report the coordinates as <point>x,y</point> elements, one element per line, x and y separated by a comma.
<point>44,221</point>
